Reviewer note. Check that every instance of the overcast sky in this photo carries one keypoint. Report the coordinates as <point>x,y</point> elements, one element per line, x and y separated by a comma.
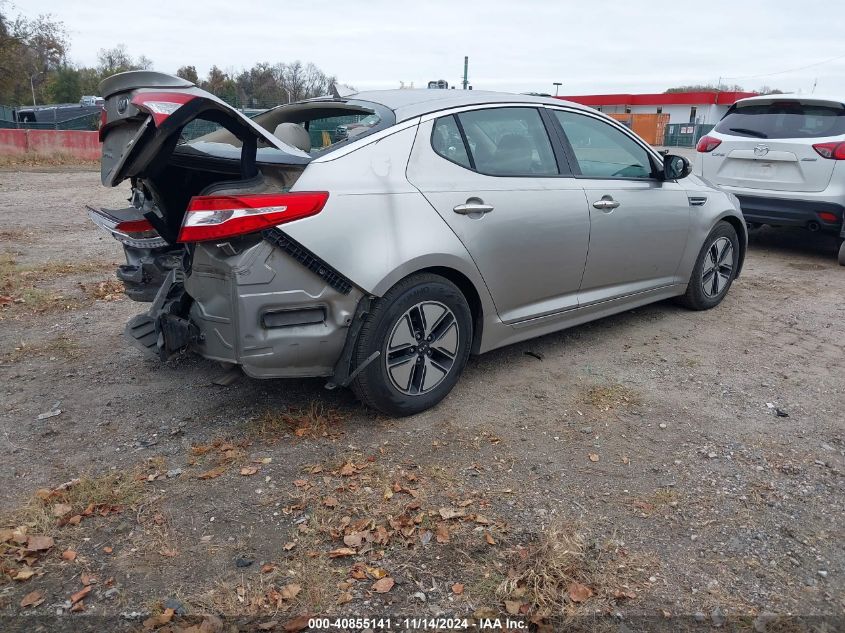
<point>514,45</point>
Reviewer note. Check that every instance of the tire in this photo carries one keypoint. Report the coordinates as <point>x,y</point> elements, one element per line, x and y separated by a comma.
<point>842,253</point>
<point>410,377</point>
<point>707,292</point>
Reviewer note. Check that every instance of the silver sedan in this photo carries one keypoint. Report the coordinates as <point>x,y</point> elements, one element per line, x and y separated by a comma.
<point>444,223</point>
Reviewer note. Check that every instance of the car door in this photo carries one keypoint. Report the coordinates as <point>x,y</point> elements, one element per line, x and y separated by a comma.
<point>638,221</point>
<point>495,178</point>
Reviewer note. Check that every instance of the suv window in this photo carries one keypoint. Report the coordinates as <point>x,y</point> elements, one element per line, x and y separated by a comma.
<point>783,119</point>
<point>601,150</point>
<point>446,141</point>
<point>508,142</point>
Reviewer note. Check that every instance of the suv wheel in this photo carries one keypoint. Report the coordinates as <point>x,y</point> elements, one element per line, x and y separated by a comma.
<point>842,252</point>
<point>423,329</point>
<point>714,270</point>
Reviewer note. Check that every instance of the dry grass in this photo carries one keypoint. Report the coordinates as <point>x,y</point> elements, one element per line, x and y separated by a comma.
<point>19,288</point>
<point>564,575</point>
<point>103,495</point>
<point>61,346</point>
<point>58,159</point>
<point>108,290</point>
<point>607,397</point>
<point>314,421</point>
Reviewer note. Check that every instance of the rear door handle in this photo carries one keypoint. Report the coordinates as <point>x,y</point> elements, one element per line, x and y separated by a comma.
<point>473,206</point>
<point>607,203</point>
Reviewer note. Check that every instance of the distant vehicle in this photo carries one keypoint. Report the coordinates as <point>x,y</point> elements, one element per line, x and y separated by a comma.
<point>455,223</point>
<point>440,84</point>
<point>91,100</point>
<point>783,156</point>
<point>348,130</point>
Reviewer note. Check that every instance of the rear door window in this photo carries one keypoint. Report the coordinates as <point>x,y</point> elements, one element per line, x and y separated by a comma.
<point>783,119</point>
<point>447,142</point>
<point>601,150</point>
<point>509,142</point>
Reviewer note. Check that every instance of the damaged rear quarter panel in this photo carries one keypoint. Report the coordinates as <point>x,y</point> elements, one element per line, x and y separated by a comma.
<point>232,293</point>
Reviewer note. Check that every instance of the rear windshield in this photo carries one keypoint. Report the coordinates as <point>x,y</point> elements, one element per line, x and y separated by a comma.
<point>784,119</point>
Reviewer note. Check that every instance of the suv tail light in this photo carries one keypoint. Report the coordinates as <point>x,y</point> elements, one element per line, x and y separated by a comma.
<point>217,217</point>
<point>161,104</point>
<point>833,151</point>
<point>707,144</point>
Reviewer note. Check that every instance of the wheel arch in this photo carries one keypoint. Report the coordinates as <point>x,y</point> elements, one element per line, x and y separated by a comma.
<point>742,233</point>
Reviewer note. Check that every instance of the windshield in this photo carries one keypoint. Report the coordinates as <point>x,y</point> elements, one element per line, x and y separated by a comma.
<point>784,119</point>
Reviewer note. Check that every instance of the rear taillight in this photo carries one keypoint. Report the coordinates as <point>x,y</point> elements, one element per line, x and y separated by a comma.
<point>161,104</point>
<point>134,226</point>
<point>707,144</point>
<point>827,216</point>
<point>103,120</point>
<point>833,151</point>
<point>217,217</point>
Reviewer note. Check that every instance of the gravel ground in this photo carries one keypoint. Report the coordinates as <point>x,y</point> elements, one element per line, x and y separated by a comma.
<point>695,458</point>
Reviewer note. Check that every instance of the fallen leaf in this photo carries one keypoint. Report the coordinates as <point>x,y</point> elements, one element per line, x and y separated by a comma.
<point>458,588</point>
<point>108,550</point>
<point>214,472</point>
<point>451,513</point>
<point>79,595</point>
<point>299,623</point>
<point>159,620</point>
<point>78,607</point>
<point>344,597</point>
<point>442,534</point>
<point>377,572</point>
<point>620,594</point>
<point>512,606</point>
<point>593,457</point>
<point>266,568</point>
<point>76,519</point>
<point>299,483</point>
<point>267,626</point>
<point>69,554</point>
<point>289,592</point>
<point>169,552</point>
<point>481,519</point>
<point>353,540</point>
<point>289,546</point>
<point>88,579</point>
<point>579,592</point>
<point>384,585</point>
<point>348,469</point>
<point>39,543</point>
<point>626,460</point>
<point>489,538</point>
<point>246,471</point>
<point>24,573</point>
<point>341,551</point>
<point>330,502</point>
<point>32,599</point>
<point>61,509</point>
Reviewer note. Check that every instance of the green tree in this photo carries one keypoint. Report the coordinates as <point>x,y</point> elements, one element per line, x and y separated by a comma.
<point>63,85</point>
<point>188,73</point>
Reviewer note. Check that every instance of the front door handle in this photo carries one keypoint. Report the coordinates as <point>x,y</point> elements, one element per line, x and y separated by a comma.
<point>474,207</point>
<point>607,203</point>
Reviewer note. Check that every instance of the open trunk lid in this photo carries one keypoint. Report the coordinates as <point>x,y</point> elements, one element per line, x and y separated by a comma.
<point>145,113</point>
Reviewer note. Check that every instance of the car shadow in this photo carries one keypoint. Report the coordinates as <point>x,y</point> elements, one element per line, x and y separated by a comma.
<point>794,241</point>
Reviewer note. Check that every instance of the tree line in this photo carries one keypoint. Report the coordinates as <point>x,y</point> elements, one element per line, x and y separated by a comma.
<point>34,63</point>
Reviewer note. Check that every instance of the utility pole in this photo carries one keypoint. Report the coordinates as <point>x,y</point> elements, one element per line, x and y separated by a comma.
<point>557,85</point>
<point>466,71</point>
<point>32,86</point>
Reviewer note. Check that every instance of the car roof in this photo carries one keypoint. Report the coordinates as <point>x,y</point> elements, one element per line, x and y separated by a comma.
<point>803,98</point>
<point>415,102</point>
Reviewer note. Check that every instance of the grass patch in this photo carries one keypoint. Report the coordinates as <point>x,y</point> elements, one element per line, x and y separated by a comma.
<point>108,290</point>
<point>314,421</point>
<point>563,574</point>
<point>62,346</point>
<point>607,397</point>
<point>58,159</point>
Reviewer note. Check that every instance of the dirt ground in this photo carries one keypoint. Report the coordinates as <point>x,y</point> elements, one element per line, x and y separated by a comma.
<point>659,466</point>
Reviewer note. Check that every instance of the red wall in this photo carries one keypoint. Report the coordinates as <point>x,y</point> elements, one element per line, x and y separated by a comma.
<point>673,98</point>
<point>79,144</point>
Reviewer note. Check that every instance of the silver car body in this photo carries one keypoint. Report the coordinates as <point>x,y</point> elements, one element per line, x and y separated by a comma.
<point>544,259</point>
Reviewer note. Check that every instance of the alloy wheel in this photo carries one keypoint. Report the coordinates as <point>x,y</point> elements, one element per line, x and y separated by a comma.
<point>718,267</point>
<point>422,347</point>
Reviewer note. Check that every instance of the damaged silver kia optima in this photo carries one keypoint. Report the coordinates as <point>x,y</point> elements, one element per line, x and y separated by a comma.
<point>440,223</point>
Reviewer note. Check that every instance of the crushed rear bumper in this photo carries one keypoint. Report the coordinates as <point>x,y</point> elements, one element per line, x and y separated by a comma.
<point>253,305</point>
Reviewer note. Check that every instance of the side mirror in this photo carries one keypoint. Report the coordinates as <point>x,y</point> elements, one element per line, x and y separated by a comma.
<point>676,167</point>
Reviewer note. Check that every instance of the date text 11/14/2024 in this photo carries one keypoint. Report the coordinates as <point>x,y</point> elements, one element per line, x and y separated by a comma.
<point>416,624</point>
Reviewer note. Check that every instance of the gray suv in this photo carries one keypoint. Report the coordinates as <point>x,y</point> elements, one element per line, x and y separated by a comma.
<point>454,223</point>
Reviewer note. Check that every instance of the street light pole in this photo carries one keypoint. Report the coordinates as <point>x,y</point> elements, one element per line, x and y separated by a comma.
<point>557,85</point>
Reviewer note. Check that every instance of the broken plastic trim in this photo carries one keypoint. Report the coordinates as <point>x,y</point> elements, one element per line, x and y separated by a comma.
<point>332,277</point>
